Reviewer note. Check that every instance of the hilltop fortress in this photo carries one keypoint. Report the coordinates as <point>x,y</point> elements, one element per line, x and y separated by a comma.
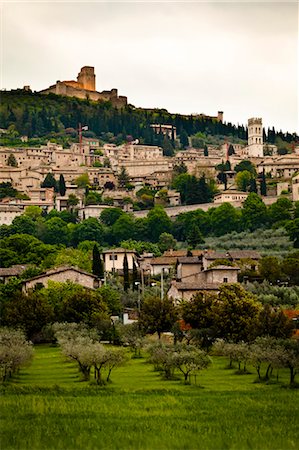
<point>85,88</point>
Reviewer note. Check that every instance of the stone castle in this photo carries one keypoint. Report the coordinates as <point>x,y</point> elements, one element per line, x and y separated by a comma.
<point>85,88</point>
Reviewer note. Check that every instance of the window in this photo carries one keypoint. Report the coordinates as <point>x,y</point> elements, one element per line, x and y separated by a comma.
<point>225,280</point>
<point>113,257</point>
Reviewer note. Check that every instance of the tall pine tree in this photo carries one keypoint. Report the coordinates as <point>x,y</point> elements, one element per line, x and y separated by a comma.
<point>61,185</point>
<point>263,184</point>
<point>126,273</point>
<point>97,263</point>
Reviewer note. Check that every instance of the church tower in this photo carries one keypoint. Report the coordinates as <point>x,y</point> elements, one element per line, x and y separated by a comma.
<point>87,78</point>
<point>255,138</point>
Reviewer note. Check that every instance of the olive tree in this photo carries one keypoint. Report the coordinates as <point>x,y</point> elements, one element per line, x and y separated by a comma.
<point>15,352</point>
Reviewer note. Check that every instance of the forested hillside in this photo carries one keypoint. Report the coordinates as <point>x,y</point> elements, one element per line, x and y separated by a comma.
<point>52,116</point>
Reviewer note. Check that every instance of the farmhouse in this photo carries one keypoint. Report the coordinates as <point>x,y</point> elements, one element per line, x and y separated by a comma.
<point>63,274</point>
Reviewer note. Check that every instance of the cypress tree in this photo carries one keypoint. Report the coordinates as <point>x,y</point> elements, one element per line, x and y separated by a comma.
<point>49,182</point>
<point>126,273</point>
<point>97,262</point>
<point>263,184</point>
<point>206,150</point>
<point>61,185</point>
<point>253,186</point>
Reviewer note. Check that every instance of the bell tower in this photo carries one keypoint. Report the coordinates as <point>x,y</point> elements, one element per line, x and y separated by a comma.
<point>255,138</point>
<point>87,79</point>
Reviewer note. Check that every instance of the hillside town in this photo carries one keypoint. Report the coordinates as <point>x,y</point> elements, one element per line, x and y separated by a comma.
<point>149,226</point>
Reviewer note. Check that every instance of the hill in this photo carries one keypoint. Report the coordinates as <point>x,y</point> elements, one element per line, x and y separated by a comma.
<point>57,117</point>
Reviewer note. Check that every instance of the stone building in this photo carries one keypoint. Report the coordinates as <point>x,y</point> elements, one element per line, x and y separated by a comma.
<point>8,213</point>
<point>114,259</point>
<point>85,88</point>
<point>255,137</point>
<point>62,275</point>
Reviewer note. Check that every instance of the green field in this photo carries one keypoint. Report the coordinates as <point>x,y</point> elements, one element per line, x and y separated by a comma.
<point>47,407</point>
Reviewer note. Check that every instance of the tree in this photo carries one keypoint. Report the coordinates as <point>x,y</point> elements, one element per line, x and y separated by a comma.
<point>30,313</point>
<point>205,151</point>
<point>11,160</point>
<point>157,315</point>
<point>34,212</point>
<point>194,235</point>
<point>167,146</point>
<point>158,222</point>
<point>263,184</point>
<point>166,242</point>
<point>123,178</point>
<point>24,224</point>
<point>72,201</point>
<point>254,212</point>
<point>111,297</point>
<point>97,262</point>
<point>253,185</point>
<point>270,269</point>
<point>123,228</point>
<point>243,180</point>
<point>246,165</point>
<point>110,215</point>
<point>281,210</point>
<point>198,311</point>
<point>61,184</point>
<point>273,322</point>
<point>56,232</point>
<point>225,219</point>
<point>50,182</point>
<point>236,313</point>
<point>190,359</point>
<point>88,230</point>
<point>184,140</point>
<point>15,352</point>
<point>126,273</point>
<point>292,228</point>
<point>82,181</point>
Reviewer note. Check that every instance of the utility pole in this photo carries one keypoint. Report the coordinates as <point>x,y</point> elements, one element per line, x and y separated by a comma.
<point>162,282</point>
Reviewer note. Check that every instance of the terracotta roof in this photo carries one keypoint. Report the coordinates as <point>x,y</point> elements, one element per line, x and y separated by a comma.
<point>244,254</point>
<point>189,260</point>
<point>13,270</point>
<point>165,260</point>
<point>217,255</point>
<point>59,270</point>
<point>175,253</point>
<point>119,250</point>
<point>197,286</point>
<point>222,267</point>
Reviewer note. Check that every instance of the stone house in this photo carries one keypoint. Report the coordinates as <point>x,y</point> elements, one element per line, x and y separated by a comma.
<point>14,271</point>
<point>8,213</point>
<point>62,275</point>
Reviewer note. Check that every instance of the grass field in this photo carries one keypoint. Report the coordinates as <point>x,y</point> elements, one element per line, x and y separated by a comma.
<point>47,407</point>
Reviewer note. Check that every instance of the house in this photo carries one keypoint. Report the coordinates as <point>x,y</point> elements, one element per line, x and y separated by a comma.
<point>185,291</point>
<point>62,275</point>
<point>114,259</point>
<point>193,276</point>
<point>14,271</point>
<point>8,213</point>
<point>162,263</point>
<point>231,195</point>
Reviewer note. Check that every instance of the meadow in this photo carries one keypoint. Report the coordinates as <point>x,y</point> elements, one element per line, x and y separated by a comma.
<point>46,407</point>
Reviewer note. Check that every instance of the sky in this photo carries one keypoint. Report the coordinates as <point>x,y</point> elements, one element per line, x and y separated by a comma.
<point>187,57</point>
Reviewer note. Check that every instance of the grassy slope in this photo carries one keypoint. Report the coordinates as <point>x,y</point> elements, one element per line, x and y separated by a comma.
<point>141,411</point>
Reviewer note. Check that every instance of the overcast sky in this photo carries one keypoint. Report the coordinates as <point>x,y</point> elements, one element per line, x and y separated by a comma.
<point>187,57</point>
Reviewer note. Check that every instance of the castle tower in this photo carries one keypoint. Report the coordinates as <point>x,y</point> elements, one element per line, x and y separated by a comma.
<point>255,138</point>
<point>87,78</point>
